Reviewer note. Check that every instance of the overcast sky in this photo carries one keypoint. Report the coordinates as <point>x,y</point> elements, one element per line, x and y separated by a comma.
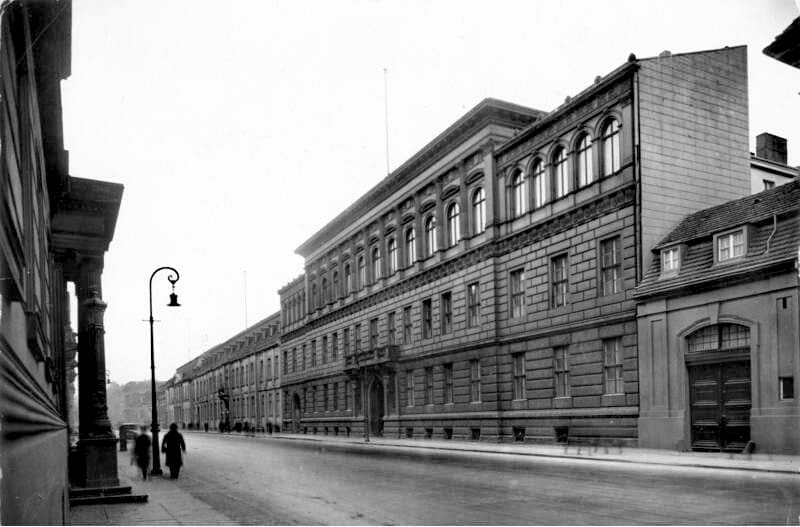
<point>240,128</point>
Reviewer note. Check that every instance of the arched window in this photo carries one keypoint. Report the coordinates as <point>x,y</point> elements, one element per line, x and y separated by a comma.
<point>335,293</point>
<point>411,246</point>
<point>610,138</point>
<point>719,337</point>
<point>348,279</point>
<point>519,196</point>
<point>430,236</point>
<point>583,160</point>
<point>560,177</point>
<point>478,211</point>
<point>376,263</point>
<point>391,249</point>
<point>362,272</point>
<point>313,296</point>
<point>324,291</point>
<point>453,224</point>
<point>538,180</point>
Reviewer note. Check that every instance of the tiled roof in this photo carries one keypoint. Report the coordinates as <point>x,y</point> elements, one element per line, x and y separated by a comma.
<point>751,209</point>
<point>697,269</point>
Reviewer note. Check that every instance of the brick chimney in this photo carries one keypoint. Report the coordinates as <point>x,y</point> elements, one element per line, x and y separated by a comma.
<point>771,147</point>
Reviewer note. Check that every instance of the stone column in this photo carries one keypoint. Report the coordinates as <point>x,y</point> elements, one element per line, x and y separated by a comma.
<point>97,445</point>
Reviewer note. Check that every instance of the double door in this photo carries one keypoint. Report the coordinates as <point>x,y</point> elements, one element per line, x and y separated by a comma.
<point>720,405</point>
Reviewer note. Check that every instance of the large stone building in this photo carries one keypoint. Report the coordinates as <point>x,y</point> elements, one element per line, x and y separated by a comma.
<point>54,229</point>
<point>484,290</point>
<point>719,331</point>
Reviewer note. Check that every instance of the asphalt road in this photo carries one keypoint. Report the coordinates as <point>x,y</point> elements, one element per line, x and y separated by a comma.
<point>268,481</point>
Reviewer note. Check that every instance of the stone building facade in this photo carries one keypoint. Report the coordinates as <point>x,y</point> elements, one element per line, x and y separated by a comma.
<point>234,382</point>
<point>54,229</point>
<point>484,290</point>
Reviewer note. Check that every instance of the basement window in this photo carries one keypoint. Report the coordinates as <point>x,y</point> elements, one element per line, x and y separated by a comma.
<point>786,386</point>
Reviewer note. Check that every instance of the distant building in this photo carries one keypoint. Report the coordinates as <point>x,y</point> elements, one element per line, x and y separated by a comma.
<point>768,166</point>
<point>719,335</point>
<point>235,382</point>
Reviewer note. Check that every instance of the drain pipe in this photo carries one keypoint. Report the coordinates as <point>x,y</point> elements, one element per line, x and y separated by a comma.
<point>774,228</point>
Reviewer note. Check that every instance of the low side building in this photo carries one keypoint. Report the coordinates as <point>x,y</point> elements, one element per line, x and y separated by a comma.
<point>719,330</point>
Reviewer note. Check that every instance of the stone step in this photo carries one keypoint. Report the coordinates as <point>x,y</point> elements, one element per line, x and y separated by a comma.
<point>80,492</point>
<point>107,499</point>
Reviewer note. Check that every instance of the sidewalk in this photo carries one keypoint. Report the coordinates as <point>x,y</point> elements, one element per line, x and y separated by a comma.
<point>716,460</point>
<point>167,503</point>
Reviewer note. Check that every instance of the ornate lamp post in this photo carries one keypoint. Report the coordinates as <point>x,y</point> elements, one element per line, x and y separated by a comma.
<point>173,302</point>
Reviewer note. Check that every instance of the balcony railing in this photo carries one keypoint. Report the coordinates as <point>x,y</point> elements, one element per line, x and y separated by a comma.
<point>371,357</point>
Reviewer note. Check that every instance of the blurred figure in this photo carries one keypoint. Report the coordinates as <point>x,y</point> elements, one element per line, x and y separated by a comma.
<point>173,446</point>
<point>141,450</point>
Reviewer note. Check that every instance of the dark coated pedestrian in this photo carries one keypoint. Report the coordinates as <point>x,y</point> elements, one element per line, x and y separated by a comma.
<point>141,451</point>
<point>173,446</point>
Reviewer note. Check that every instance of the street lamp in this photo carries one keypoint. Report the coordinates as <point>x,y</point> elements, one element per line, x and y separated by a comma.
<point>173,302</point>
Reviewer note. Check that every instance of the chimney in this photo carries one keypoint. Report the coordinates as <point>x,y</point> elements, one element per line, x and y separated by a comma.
<point>771,147</point>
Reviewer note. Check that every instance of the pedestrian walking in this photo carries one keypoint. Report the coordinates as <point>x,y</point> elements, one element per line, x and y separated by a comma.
<point>141,450</point>
<point>173,446</point>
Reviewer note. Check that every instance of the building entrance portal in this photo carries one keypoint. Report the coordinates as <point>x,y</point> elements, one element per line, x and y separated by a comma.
<point>720,405</point>
<point>376,409</point>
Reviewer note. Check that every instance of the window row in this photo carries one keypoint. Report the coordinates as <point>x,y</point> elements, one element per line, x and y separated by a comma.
<point>369,266</point>
<point>551,178</point>
<point>609,278</point>
<point>613,381</point>
<point>446,377</point>
<point>326,397</point>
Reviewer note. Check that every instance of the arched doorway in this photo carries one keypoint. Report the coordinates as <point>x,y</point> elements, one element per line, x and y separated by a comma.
<point>296,414</point>
<point>376,408</point>
<point>718,362</point>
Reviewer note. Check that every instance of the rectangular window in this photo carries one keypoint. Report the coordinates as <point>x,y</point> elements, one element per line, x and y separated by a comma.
<point>427,319</point>
<point>346,341</point>
<point>447,313</point>
<point>475,380</point>
<point>409,387</point>
<point>269,368</point>
<point>768,184</point>
<point>612,364</point>
<point>373,333</point>
<point>325,397</point>
<point>313,353</point>
<point>407,327</point>
<point>786,385</point>
<point>347,405</point>
<point>517,289</point>
<point>357,338</point>
<point>730,245</point>
<point>390,334</point>
<point>294,360</point>
<point>561,371</point>
<point>473,305</point>
<point>518,386</point>
<point>324,358</point>
<point>429,385</point>
<point>611,266</point>
<point>448,383</point>
<point>558,281</point>
<point>670,260</point>
<point>334,346</point>
<point>285,361</point>
<point>335,396</point>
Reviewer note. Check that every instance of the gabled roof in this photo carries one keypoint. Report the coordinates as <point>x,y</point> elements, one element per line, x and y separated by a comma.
<point>773,244</point>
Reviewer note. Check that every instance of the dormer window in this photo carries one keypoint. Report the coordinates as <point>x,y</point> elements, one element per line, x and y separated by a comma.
<point>730,245</point>
<point>670,260</point>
